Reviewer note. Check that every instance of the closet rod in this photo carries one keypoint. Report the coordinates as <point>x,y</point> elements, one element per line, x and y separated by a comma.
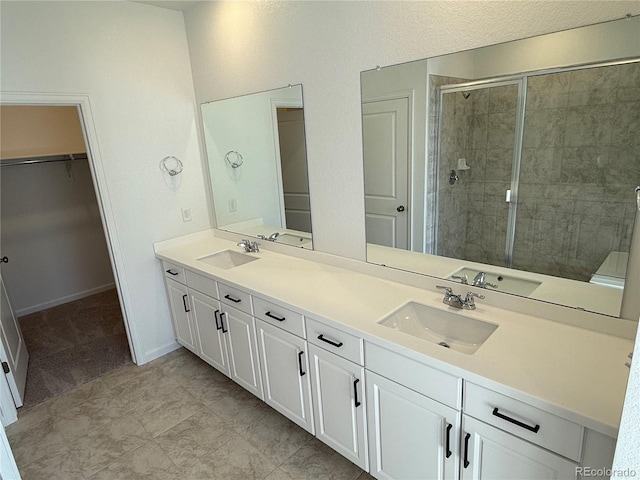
<point>44,159</point>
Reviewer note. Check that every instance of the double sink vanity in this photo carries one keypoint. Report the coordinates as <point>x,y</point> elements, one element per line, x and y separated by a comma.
<point>389,376</point>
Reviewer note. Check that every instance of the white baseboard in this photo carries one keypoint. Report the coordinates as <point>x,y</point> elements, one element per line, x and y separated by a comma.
<point>65,299</point>
<point>158,352</point>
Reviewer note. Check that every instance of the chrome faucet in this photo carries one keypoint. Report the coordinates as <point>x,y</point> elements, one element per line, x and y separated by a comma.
<point>270,238</point>
<point>463,278</point>
<point>480,280</point>
<point>454,300</point>
<point>249,246</point>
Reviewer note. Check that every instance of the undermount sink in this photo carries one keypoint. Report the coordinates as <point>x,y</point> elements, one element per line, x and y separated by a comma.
<point>450,330</point>
<point>227,259</point>
<point>505,283</point>
<point>291,239</point>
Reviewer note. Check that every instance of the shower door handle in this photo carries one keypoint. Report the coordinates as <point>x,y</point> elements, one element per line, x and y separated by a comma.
<point>508,196</point>
<point>400,208</point>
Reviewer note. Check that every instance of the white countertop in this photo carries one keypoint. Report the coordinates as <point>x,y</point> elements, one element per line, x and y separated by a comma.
<point>572,372</point>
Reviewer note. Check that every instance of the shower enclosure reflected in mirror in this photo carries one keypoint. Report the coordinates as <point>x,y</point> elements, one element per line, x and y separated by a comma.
<point>257,165</point>
<point>528,171</point>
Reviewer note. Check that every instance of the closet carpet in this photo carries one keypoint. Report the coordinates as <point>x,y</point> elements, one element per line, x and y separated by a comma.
<point>72,344</point>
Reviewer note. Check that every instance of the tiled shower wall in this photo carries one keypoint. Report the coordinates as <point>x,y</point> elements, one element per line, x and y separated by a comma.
<point>580,163</point>
<point>473,213</point>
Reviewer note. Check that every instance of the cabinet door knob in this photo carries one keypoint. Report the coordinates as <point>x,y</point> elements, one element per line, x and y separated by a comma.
<point>515,422</point>
<point>466,449</point>
<point>222,322</point>
<point>400,208</point>
<point>275,317</point>
<point>302,372</point>
<point>330,342</point>
<point>216,316</point>
<point>234,300</point>
<point>184,301</point>
<point>171,272</point>
<point>449,427</point>
<point>355,393</point>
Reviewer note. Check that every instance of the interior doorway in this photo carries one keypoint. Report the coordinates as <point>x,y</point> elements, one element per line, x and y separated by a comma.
<point>60,276</point>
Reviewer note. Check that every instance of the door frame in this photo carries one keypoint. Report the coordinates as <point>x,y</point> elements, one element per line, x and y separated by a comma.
<point>96,166</point>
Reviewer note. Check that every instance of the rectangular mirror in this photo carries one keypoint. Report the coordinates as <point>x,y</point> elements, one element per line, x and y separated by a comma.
<point>257,165</point>
<point>510,167</point>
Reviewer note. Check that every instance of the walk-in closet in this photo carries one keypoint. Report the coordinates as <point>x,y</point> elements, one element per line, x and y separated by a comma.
<point>56,269</point>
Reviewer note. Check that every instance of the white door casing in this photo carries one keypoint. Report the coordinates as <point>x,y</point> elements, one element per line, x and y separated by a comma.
<point>14,351</point>
<point>386,150</point>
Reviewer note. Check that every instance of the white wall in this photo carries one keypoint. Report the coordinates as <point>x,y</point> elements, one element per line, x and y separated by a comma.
<point>52,234</point>
<point>132,61</point>
<point>246,125</point>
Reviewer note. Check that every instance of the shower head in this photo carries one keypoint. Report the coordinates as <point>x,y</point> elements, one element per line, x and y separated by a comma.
<point>466,94</point>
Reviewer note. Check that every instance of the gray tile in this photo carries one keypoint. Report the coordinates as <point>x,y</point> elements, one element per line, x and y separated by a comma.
<point>100,447</point>
<point>60,466</point>
<point>316,461</point>
<point>544,128</point>
<point>36,441</point>
<point>149,462</point>
<point>589,126</point>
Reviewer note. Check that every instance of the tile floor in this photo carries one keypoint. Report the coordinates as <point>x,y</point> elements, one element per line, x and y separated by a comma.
<point>174,418</point>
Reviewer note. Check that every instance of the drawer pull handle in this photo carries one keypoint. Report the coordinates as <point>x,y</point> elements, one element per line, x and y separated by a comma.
<point>171,272</point>
<point>515,422</point>
<point>338,344</point>
<point>222,322</point>
<point>466,449</point>
<point>302,373</point>
<point>355,393</point>
<point>184,301</point>
<point>275,317</point>
<point>216,316</point>
<point>449,427</point>
<point>234,300</point>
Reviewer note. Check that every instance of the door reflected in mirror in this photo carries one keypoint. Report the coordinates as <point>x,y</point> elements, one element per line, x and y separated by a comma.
<point>523,170</point>
<point>257,165</point>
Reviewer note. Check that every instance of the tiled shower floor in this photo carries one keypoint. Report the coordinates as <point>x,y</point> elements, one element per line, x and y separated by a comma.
<point>174,418</point>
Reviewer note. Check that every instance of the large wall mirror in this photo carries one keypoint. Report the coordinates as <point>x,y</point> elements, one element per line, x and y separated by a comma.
<point>258,165</point>
<point>510,167</point>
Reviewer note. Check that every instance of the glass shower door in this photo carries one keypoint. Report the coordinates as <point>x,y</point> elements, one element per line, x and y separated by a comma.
<point>478,166</point>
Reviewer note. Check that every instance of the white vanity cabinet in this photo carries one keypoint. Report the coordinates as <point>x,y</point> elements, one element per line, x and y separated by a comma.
<point>285,374</point>
<point>212,345</point>
<point>505,438</point>
<point>178,296</point>
<point>490,453</point>
<point>338,386</point>
<point>239,329</point>
<point>414,425</point>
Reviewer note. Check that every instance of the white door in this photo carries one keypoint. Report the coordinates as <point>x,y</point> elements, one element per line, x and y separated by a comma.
<point>387,148</point>
<point>285,374</point>
<point>240,331</point>
<point>491,454</point>
<point>338,394</point>
<point>410,436</point>
<point>180,314</point>
<point>8,467</point>
<point>211,341</point>
<point>14,356</point>
<point>293,161</point>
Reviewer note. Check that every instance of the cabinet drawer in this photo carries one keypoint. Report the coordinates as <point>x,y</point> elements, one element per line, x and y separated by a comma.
<point>203,284</point>
<point>439,386</point>
<point>235,297</point>
<point>173,272</point>
<point>281,317</point>
<point>523,420</point>
<point>336,341</point>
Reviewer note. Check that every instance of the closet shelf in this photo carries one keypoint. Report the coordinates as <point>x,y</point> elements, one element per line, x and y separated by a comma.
<point>10,162</point>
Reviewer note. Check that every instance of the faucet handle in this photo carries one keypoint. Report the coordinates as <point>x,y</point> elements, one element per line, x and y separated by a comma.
<point>464,279</point>
<point>470,295</point>
<point>446,289</point>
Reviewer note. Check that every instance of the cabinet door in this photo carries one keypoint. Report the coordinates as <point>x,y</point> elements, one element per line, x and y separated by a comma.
<point>285,374</point>
<point>240,332</point>
<point>338,394</point>
<point>489,453</point>
<point>410,436</point>
<point>180,314</point>
<point>211,341</point>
